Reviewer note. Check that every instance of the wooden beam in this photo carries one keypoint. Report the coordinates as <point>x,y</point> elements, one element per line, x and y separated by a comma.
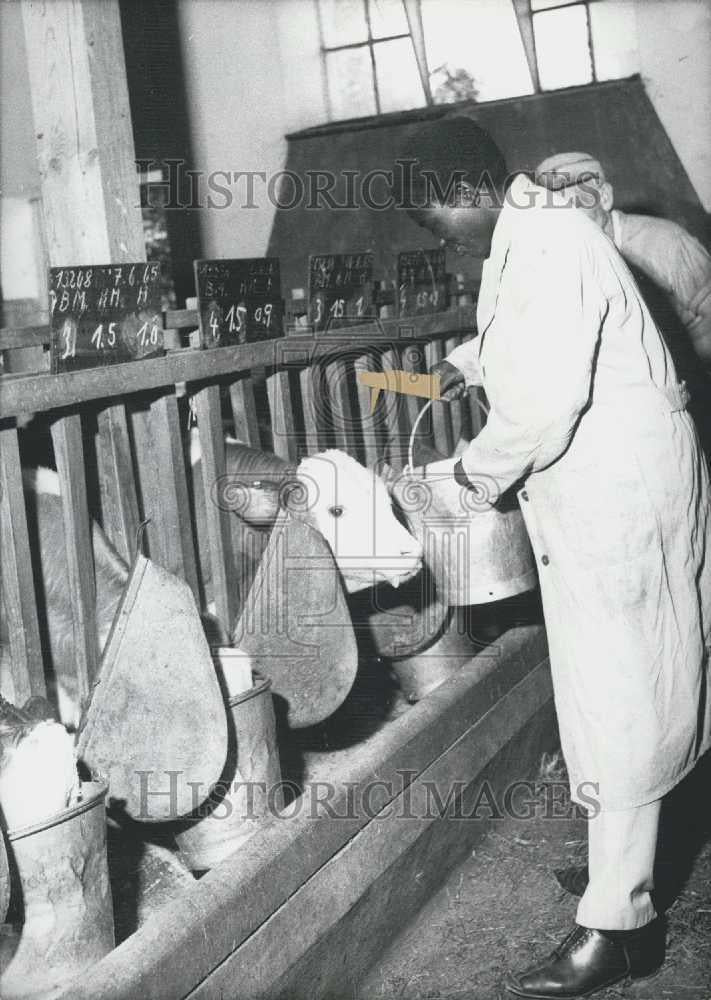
<point>244,411</point>
<point>191,936</point>
<point>413,12</point>
<point>281,410</point>
<point>35,393</point>
<point>372,433</point>
<point>341,943</point>
<point>82,119</point>
<point>18,589</point>
<point>525,27</point>
<point>377,854</point>
<point>164,488</point>
<point>119,505</point>
<point>224,580</point>
<point>69,456</point>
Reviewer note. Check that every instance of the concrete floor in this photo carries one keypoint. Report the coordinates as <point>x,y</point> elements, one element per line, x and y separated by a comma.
<point>503,907</point>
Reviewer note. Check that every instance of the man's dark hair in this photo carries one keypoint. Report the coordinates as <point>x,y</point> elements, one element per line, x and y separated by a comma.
<point>434,158</point>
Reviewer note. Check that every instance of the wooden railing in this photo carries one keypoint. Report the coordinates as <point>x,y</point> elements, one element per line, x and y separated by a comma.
<point>118,437</point>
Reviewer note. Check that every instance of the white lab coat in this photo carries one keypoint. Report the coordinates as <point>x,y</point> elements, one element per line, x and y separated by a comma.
<point>587,418</point>
<point>677,263</point>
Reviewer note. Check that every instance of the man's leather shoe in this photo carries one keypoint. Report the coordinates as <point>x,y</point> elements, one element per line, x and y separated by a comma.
<point>573,879</point>
<point>589,960</point>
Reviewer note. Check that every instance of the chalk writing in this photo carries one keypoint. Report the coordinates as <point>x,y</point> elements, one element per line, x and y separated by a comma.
<point>104,314</point>
<point>239,301</point>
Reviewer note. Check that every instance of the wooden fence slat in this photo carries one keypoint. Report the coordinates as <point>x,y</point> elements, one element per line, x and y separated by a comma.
<point>395,419</point>
<point>282,414</point>
<point>17,582</point>
<point>342,418</point>
<point>69,456</point>
<point>456,407</point>
<point>244,411</point>
<point>312,409</point>
<point>224,580</point>
<point>413,360</point>
<point>370,426</point>
<point>163,486</point>
<point>441,419</point>
<point>119,504</point>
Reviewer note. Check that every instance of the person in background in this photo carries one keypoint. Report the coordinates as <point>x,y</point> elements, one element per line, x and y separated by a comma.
<point>662,250</point>
<point>588,422</point>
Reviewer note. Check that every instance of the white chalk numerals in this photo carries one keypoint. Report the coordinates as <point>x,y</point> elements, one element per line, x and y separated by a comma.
<point>98,339</point>
<point>69,339</point>
<point>263,314</point>
<point>145,337</point>
<point>236,316</point>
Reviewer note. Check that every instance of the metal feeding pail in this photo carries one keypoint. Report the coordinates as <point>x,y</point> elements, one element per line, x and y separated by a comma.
<point>60,876</point>
<point>250,788</point>
<point>477,553</point>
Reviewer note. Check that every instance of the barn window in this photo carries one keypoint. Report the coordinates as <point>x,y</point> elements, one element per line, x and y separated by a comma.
<point>392,55</point>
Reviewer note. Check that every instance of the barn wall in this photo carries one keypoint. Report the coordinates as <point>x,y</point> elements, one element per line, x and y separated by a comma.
<point>675,64</point>
<point>220,82</point>
<point>19,176</point>
<point>253,70</point>
<point>615,118</point>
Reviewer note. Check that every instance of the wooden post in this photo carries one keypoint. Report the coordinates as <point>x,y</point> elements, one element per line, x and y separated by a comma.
<point>82,118</point>
<point>91,212</point>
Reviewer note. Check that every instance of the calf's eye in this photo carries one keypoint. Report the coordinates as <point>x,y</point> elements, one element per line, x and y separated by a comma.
<point>335,511</point>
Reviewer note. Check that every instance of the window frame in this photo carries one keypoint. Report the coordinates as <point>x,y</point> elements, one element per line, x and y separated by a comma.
<point>370,43</point>
<point>525,17</point>
<point>533,14</point>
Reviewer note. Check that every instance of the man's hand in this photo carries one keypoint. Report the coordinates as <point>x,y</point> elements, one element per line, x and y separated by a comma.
<point>451,381</point>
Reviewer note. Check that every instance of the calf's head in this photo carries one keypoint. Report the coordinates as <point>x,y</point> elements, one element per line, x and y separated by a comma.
<point>350,506</point>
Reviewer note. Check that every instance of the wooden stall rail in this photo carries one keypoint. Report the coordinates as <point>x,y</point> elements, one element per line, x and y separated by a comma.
<point>119,440</point>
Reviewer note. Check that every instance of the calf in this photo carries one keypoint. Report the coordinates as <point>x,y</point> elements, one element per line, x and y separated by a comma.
<point>347,503</point>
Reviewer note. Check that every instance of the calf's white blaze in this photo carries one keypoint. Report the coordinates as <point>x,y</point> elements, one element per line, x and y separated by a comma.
<point>350,506</point>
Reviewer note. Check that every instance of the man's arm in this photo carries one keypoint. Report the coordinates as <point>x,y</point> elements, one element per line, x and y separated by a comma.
<point>539,372</point>
<point>465,357</point>
<point>679,264</point>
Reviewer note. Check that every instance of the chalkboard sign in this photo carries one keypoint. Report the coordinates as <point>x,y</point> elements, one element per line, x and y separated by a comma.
<point>340,290</point>
<point>423,284</point>
<point>104,314</point>
<point>239,301</point>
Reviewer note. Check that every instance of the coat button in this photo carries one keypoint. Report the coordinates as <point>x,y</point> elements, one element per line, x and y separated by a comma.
<point>545,560</point>
<point>524,495</point>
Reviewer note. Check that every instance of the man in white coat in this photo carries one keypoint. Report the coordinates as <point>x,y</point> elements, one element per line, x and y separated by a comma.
<point>663,250</point>
<point>588,422</point>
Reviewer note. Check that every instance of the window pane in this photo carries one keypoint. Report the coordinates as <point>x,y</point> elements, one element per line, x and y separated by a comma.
<point>544,4</point>
<point>562,48</point>
<point>613,26</point>
<point>474,50</point>
<point>399,84</point>
<point>350,83</point>
<point>387,17</point>
<point>343,22</point>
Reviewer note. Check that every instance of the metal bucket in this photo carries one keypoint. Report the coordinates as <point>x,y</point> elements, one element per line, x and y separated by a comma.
<point>60,869</point>
<point>249,789</point>
<point>476,553</point>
